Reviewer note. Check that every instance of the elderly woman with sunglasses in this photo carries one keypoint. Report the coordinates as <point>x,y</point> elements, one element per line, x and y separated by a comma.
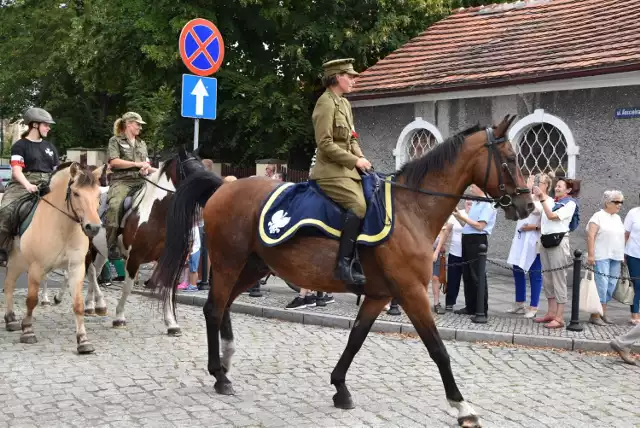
<point>605,249</point>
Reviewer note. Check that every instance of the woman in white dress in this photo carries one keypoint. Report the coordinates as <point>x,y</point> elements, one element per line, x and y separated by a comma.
<point>524,254</point>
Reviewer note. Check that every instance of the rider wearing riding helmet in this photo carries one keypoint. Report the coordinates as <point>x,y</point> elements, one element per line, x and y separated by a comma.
<point>338,160</point>
<point>33,159</point>
<point>129,162</point>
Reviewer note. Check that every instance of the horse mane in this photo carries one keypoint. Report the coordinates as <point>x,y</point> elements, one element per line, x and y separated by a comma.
<point>165,165</point>
<point>443,154</point>
<point>84,178</point>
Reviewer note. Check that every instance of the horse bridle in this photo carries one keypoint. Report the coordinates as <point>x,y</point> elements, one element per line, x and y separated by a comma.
<point>75,218</point>
<point>181,172</point>
<point>505,199</point>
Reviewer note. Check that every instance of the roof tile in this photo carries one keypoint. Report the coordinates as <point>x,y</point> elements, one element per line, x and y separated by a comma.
<point>508,43</point>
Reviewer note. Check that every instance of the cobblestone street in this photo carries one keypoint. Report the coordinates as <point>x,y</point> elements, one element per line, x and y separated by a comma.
<point>141,377</point>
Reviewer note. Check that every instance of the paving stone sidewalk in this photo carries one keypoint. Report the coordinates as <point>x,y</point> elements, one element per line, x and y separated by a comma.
<point>139,377</point>
<point>502,327</point>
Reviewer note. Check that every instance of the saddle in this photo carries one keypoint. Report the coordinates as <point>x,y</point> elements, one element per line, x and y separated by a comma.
<point>125,207</point>
<point>304,208</point>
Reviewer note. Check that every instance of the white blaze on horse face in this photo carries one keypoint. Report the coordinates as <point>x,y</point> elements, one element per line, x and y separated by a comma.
<point>151,194</point>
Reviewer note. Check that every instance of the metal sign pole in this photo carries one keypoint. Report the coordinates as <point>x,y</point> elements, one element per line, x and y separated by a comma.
<point>196,132</point>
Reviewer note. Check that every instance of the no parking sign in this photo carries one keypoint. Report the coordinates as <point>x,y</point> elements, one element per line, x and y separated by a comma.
<point>202,52</point>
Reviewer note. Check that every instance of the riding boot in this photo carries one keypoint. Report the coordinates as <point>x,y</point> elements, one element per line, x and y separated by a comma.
<point>112,243</point>
<point>350,230</point>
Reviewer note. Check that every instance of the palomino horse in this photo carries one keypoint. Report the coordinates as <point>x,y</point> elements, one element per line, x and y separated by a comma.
<point>58,237</point>
<point>142,238</point>
<point>427,190</point>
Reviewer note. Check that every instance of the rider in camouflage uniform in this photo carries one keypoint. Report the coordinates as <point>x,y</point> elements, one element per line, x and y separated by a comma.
<point>338,159</point>
<point>129,161</point>
<point>33,159</point>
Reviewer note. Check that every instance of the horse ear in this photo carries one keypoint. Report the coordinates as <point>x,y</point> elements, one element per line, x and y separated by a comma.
<point>97,173</point>
<point>501,129</point>
<point>74,168</point>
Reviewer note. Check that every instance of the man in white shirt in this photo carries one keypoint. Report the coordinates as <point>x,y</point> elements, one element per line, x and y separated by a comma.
<point>479,225</point>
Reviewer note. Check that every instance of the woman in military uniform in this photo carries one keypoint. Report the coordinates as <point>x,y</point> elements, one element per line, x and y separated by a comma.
<point>33,159</point>
<point>129,161</point>
<point>338,159</point>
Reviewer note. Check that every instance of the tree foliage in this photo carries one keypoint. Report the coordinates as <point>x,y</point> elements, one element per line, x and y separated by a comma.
<point>89,61</point>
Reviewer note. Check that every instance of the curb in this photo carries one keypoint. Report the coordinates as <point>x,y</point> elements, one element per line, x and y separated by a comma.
<point>460,335</point>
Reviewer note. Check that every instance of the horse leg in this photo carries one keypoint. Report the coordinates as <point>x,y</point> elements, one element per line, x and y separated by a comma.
<point>99,301</point>
<point>35,276</point>
<point>44,293</point>
<point>10,320</point>
<point>213,314</point>
<point>76,279</point>
<point>416,306</point>
<point>89,301</point>
<point>367,315</point>
<point>57,298</point>
<point>173,329</point>
<point>251,273</point>
<point>129,276</point>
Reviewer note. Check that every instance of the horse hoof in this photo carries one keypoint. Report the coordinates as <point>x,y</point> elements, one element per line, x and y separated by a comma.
<point>471,421</point>
<point>343,401</point>
<point>119,323</point>
<point>89,312</point>
<point>101,312</point>
<point>224,388</point>
<point>85,348</point>
<point>13,326</point>
<point>29,338</point>
<point>174,331</point>
<point>56,300</point>
<point>45,303</point>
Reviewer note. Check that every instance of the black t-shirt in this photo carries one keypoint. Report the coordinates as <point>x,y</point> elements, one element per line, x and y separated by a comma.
<point>33,156</point>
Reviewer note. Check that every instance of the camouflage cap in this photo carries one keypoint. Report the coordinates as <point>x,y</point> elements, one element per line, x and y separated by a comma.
<point>338,66</point>
<point>133,116</point>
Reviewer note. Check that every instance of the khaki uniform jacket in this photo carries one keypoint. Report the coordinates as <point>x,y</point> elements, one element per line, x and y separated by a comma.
<point>338,150</point>
<point>120,148</point>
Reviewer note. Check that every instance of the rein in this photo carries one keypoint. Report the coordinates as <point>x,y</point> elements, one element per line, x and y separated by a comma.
<point>183,174</point>
<point>504,200</point>
<point>157,185</point>
<point>75,218</point>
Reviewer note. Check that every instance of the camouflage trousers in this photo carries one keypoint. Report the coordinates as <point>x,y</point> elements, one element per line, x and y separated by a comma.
<point>118,191</point>
<point>13,193</point>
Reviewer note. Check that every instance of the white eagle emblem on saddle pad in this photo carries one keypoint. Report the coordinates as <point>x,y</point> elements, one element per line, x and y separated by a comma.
<point>278,220</point>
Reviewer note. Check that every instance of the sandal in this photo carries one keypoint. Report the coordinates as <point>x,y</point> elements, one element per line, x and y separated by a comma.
<point>545,318</point>
<point>555,324</point>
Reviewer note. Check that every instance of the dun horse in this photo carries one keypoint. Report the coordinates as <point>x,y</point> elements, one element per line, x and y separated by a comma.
<point>400,268</point>
<point>142,239</point>
<point>57,238</point>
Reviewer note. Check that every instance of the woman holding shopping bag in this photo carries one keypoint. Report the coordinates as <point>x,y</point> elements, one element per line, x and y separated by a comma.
<point>605,250</point>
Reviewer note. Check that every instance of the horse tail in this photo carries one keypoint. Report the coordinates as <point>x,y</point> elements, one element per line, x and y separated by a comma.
<point>193,193</point>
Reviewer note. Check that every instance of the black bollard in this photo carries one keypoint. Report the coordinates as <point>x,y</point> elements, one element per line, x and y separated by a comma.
<point>204,265</point>
<point>480,316</point>
<point>393,308</point>
<point>574,324</point>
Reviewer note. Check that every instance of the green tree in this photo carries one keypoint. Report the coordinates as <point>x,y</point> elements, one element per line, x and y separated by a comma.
<point>89,61</point>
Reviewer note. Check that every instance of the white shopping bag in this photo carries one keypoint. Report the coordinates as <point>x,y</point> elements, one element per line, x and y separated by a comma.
<point>589,299</point>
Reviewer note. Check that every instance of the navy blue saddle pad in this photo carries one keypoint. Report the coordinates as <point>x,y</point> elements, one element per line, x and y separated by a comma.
<point>291,207</point>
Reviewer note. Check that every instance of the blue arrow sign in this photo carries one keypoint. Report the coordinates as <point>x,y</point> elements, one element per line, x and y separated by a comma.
<point>199,97</point>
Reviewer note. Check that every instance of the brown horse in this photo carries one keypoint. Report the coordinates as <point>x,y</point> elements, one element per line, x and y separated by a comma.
<point>399,268</point>
<point>142,237</point>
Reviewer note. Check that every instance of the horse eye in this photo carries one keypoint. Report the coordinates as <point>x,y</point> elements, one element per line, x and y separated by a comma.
<point>511,159</point>
<point>76,194</point>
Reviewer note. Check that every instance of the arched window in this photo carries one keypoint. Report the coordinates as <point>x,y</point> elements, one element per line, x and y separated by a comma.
<point>544,143</point>
<point>415,140</point>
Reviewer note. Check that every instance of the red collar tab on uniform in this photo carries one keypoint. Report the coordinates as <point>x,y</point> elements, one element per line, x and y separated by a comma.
<point>354,134</point>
